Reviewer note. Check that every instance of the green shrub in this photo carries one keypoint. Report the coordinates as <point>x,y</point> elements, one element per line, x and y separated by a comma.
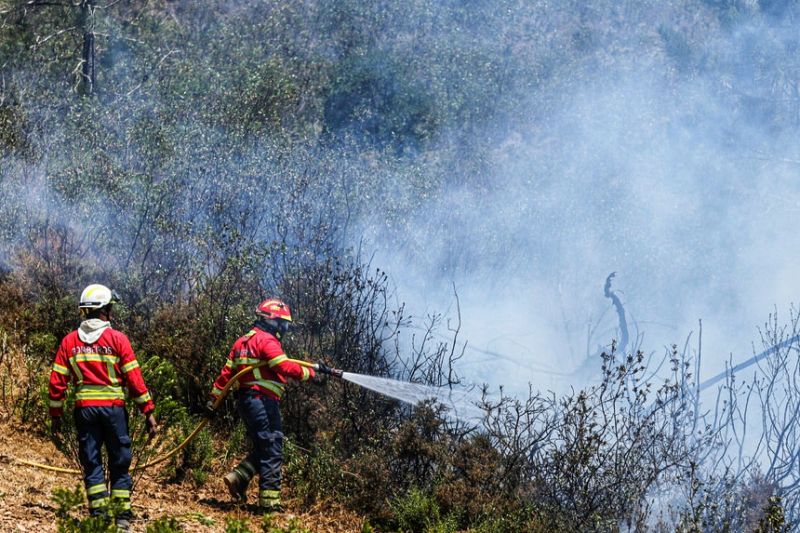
<point>67,501</point>
<point>165,524</point>
<point>774,519</point>
<point>317,474</point>
<point>268,526</point>
<point>417,511</point>
<point>236,525</point>
<point>38,355</point>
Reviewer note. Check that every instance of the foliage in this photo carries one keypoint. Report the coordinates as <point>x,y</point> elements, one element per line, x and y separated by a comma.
<point>774,519</point>
<point>164,525</point>
<point>268,526</point>
<point>237,150</point>
<point>419,512</point>
<point>66,501</point>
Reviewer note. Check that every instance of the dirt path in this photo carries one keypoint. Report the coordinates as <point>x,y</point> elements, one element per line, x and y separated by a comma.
<point>26,504</point>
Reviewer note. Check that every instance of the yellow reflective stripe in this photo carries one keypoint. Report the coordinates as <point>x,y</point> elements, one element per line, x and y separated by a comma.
<point>100,392</point>
<point>130,366</point>
<point>250,333</point>
<point>278,360</point>
<point>101,388</point>
<point>56,403</point>
<point>229,363</point>
<point>245,361</point>
<point>216,392</point>
<point>95,489</point>
<point>59,369</point>
<point>100,396</point>
<point>120,493</point>
<point>112,373</point>
<point>273,386</point>
<point>306,374</point>
<point>74,364</point>
<point>125,505</point>
<point>96,357</point>
<point>144,398</point>
<point>98,503</point>
<point>269,497</point>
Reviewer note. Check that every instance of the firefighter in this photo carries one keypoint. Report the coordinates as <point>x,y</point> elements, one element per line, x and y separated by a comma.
<point>258,397</point>
<point>100,361</point>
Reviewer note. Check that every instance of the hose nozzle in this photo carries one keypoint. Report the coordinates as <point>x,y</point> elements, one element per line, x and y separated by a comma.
<point>322,368</point>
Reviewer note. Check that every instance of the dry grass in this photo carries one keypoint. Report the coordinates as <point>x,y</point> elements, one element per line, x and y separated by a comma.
<point>25,503</point>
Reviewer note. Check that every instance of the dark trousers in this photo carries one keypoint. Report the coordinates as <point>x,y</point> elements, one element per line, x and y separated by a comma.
<point>98,426</point>
<point>262,418</point>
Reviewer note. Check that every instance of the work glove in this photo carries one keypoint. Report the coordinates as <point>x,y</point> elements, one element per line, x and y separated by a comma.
<point>55,427</point>
<point>152,426</point>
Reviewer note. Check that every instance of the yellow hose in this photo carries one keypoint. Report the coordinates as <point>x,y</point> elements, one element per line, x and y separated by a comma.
<point>186,441</point>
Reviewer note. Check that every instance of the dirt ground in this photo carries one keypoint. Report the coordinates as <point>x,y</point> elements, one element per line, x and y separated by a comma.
<point>26,504</point>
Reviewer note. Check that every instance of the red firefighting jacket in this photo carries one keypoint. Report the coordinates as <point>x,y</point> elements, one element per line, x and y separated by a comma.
<point>99,371</point>
<point>255,347</point>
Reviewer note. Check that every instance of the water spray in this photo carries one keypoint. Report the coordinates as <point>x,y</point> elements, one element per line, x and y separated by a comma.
<point>459,404</point>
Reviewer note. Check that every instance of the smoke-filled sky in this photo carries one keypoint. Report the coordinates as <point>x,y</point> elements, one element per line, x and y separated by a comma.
<point>691,197</point>
<point>657,140</point>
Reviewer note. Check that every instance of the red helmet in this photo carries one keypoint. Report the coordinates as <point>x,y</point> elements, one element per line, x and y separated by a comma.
<point>273,309</point>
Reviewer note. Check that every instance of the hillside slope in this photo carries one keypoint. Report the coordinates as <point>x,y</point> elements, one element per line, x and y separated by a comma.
<point>26,503</point>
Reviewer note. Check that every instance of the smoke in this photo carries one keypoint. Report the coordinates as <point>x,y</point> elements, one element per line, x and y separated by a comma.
<point>559,143</point>
<point>673,165</point>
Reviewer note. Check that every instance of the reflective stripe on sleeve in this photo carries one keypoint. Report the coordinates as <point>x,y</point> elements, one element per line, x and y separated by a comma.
<point>130,366</point>
<point>59,369</point>
<point>144,398</point>
<point>229,363</point>
<point>216,392</point>
<point>278,360</point>
<point>56,404</point>
<point>306,374</point>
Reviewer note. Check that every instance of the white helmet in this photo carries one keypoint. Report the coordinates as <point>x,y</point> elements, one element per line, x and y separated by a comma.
<point>97,296</point>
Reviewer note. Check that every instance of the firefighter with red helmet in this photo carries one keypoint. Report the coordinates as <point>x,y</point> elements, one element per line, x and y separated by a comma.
<point>100,363</point>
<point>259,395</point>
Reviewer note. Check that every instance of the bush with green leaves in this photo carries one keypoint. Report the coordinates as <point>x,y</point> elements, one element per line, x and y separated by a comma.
<point>417,511</point>
<point>164,525</point>
<point>67,501</point>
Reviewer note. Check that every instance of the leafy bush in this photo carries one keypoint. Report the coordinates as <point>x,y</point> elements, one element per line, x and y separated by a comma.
<point>66,502</point>
<point>417,511</point>
<point>164,525</point>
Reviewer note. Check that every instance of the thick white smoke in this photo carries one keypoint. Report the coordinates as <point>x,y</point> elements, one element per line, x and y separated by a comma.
<point>638,170</point>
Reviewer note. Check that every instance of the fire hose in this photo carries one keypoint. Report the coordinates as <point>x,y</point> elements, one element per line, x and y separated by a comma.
<point>319,367</point>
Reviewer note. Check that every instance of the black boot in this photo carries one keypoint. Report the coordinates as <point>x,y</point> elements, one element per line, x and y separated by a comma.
<point>238,479</point>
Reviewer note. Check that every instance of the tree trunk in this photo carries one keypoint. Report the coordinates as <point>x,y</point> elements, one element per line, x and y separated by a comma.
<point>86,22</point>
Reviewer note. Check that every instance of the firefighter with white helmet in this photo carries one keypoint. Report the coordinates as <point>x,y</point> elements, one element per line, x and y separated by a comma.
<point>100,362</point>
